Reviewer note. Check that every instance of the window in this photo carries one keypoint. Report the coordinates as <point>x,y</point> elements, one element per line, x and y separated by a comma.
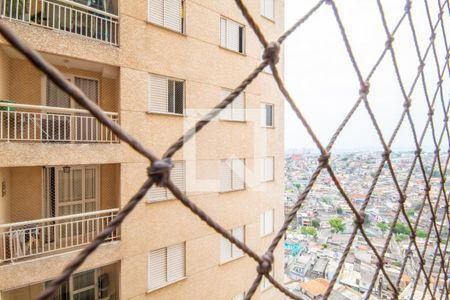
<point>265,283</point>
<point>266,115</point>
<point>267,168</point>
<point>235,110</point>
<point>166,265</point>
<point>178,175</point>
<point>167,13</point>
<point>239,297</point>
<point>232,175</point>
<point>232,35</point>
<point>266,222</point>
<point>267,8</point>
<point>84,285</point>
<point>228,250</point>
<point>165,95</point>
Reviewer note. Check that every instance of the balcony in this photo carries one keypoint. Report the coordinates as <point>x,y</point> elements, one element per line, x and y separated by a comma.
<point>51,235</point>
<point>59,209</point>
<point>35,123</point>
<point>96,21</point>
<point>34,110</point>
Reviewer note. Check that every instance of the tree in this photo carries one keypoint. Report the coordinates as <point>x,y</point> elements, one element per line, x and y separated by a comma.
<point>339,211</point>
<point>309,230</point>
<point>401,229</point>
<point>401,237</point>
<point>337,225</point>
<point>315,223</point>
<point>383,227</point>
<point>421,233</point>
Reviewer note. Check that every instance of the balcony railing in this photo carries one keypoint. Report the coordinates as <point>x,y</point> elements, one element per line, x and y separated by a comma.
<point>34,123</point>
<point>40,237</point>
<point>64,15</point>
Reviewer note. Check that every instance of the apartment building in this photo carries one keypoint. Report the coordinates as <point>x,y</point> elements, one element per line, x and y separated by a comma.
<point>153,66</point>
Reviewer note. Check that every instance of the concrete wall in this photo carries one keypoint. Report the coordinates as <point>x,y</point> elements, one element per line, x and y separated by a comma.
<point>109,186</point>
<point>4,75</point>
<point>26,194</point>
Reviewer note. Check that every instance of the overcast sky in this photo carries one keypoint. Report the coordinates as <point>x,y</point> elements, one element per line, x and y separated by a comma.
<point>320,77</point>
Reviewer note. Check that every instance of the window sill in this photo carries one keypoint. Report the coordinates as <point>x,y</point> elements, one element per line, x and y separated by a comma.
<point>159,200</point>
<point>267,181</point>
<point>165,114</point>
<point>266,288</point>
<point>268,19</point>
<point>231,260</point>
<point>267,234</point>
<point>164,285</point>
<point>165,28</point>
<point>232,51</point>
<point>267,127</point>
<point>233,121</point>
<point>231,191</point>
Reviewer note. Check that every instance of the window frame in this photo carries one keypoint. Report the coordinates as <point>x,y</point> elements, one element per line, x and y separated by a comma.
<point>264,175</point>
<point>263,123</point>
<point>239,296</point>
<point>263,10</point>
<point>168,78</point>
<point>232,246</point>
<point>231,106</point>
<point>166,266</point>
<point>265,283</point>
<point>263,221</point>
<point>243,30</point>
<point>183,20</point>
<point>168,195</point>
<point>233,175</point>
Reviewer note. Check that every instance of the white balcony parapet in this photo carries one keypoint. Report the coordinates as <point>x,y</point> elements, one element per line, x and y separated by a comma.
<point>35,123</point>
<point>64,15</point>
<point>45,236</point>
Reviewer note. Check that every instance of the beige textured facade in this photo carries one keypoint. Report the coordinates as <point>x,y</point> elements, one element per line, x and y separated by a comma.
<point>29,168</point>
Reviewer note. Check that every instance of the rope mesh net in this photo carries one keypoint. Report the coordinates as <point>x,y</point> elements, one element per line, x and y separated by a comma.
<point>431,278</point>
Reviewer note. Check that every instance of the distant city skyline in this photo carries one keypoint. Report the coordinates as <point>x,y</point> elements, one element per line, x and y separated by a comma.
<point>320,77</point>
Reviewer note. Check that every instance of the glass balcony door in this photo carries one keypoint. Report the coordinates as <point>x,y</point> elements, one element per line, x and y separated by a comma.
<point>70,126</point>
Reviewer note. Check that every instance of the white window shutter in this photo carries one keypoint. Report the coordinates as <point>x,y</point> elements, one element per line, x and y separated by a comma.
<point>268,221</point>
<point>172,14</point>
<point>238,233</point>
<point>157,193</point>
<point>158,94</point>
<point>156,11</point>
<point>175,262</point>
<point>238,297</point>
<point>232,35</point>
<point>268,168</point>
<point>223,32</point>
<point>269,9</point>
<point>225,249</point>
<point>178,176</point>
<point>225,114</point>
<point>225,176</point>
<point>238,166</point>
<point>157,268</point>
<point>263,114</point>
<point>238,108</point>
